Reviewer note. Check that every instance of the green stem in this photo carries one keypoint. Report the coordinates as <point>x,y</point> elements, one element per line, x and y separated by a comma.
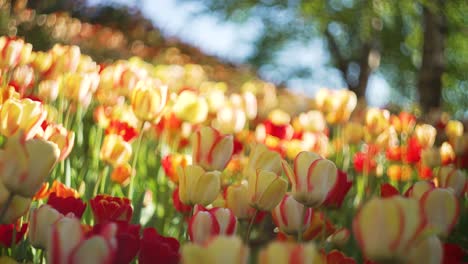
<point>249,229</point>
<point>100,179</point>
<point>134,162</point>
<point>5,206</point>
<point>104,178</point>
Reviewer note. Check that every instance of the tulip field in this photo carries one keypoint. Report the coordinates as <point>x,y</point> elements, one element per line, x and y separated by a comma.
<point>132,162</point>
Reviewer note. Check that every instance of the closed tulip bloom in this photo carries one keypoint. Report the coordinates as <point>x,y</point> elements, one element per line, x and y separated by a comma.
<point>230,120</point>
<point>40,224</point>
<point>447,154</point>
<point>387,228</point>
<point>261,158</point>
<point>48,90</point>
<point>450,177</point>
<point>66,234</point>
<point>453,129</point>
<point>212,150</point>
<point>22,78</point>
<point>21,114</point>
<point>25,165</point>
<point>108,208</point>
<point>148,100</point>
<point>377,120</point>
<point>441,208</point>
<point>190,107</point>
<point>203,226</point>
<point>289,253</point>
<point>196,186</point>
<point>78,86</point>
<point>226,219</point>
<point>18,207</point>
<point>98,249</point>
<point>312,178</point>
<point>42,61</point>
<point>13,52</point>
<point>431,157</point>
<point>115,150</point>
<point>290,216</point>
<point>426,135</point>
<point>418,189</point>
<point>353,132</point>
<point>340,237</point>
<point>222,249</point>
<point>266,189</point>
<point>237,200</point>
<point>64,138</point>
<point>312,121</point>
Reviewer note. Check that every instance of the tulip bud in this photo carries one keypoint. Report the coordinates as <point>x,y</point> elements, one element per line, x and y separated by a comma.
<point>40,224</point>
<point>387,228</point>
<point>453,129</point>
<point>419,189</point>
<point>108,208</point>
<point>23,114</point>
<point>227,250</point>
<point>65,236</point>
<point>202,226</point>
<point>289,253</point>
<point>431,157</point>
<point>377,120</point>
<point>226,219</point>
<point>230,120</point>
<point>450,177</point>
<point>312,121</point>
<point>353,133</point>
<point>312,178</point>
<point>115,150</point>
<point>78,86</point>
<point>447,154</point>
<point>59,135</point>
<point>18,207</point>
<point>261,158</point>
<point>426,135</point>
<point>24,165</point>
<point>97,249</point>
<point>48,90</point>
<point>429,250</point>
<point>42,61</point>
<point>340,237</point>
<point>266,189</point>
<point>196,186</point>
<point>237,200</point>
<point>13,52</point>
<point>441,208</point>
<point>23,77</point>
<point>211,150</point>
<point>290,216</point>
<point>148,100</point>
<point>190,107</point>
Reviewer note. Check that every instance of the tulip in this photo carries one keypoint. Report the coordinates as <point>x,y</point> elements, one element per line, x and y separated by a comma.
<point>190,107</point>
<point>21,114</point>
<point>203,226</point>
<point>227,250</point>
<point>211,150</point>
<point>42,61</point>
<point>338,257</point>
<point>261,158</point>
<point>353,133</point>
<point>388,190</point>
<point>230,120</point>
<point>79,86</point>
<point>266,190</point>
<point>447,154</point>
<point>62,137</point>
<point>426,135</point>
<point>226,220</point>
<point>121,174</point>
<point>453,129</point>
<point>312,178</point>
<point>48,90</point>
<point>155,247</point>
<point>13,52</point>
<point>289,253</point>
<point>387,228</point>
<point>108,208</point>
<point>429,250</point>
<point>450,177</point>
<point>312,121</point>
<point>12,234</point>
<point>148,100</point>
<point>290,216</point>
<point>418,189</point>
<point>40,225</point>
<point>237,200</point>
<point>171,162</point>
<point>336,104</point>
<point>24,165</point>
<point>122,128</point>
<point>340,237</point>
<point>65,59</point>
<point>66,205</point>
<point>18,207</point>
<point>115,150</point>
<point>22,78</point>
<point>66,234</point>
<point>96,249</point>
<point>441,208</point>
<point>377,121</point>
<point>338,192</point>
<point>431,157</point>
<point>196,186</point>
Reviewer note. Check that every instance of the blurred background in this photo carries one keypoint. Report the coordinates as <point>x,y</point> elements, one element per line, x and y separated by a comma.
<point>404,54</point>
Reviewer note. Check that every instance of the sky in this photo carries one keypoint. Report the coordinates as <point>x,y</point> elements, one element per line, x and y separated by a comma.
<point>234,42</point>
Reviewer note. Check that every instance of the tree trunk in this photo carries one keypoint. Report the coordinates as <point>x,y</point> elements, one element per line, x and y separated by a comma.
<point>432,67</point>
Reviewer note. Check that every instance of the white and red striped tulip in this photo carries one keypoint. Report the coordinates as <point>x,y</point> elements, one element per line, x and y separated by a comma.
<point>455,179</point>
<point>290,216</point>
<point>441,208</point>
<point>418,189</point>
<point>211,149</point>
<point>203,225</point>
<point>40,224</point>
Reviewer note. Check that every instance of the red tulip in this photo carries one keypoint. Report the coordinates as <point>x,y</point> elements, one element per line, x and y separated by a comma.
<point>280,131</point>
<point>108,208</point>
<point>412,152</point>
<point>178,205</point>
<point>387,190</point>
<point>159,249</point>
<point>337,194</point>
<point>453,254</point>
<point>6,234</point>
<point>127,132</point>
<point>337,257</point>
<point>67,205</point>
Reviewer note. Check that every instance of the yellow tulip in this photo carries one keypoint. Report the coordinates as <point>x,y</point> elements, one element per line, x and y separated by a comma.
<point>115,150</point>
<point>196,186</point>
<point>222,249</point>
<point>266,190</point>
<point>190,107</point>
<point>237,200</point>
<point>453,129</point>
<point>18,207</point>
<point>148,100</point>
<point>21,114</point>
<point>261,158</point>
<point>426,135</point>
<point>289,252</point>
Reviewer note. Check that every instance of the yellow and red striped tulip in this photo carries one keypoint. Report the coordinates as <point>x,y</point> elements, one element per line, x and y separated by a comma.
<point>312,178</point>
<point>453,178</point>
<point>21,114</point>
<point>426,135</point>
<point>261,158</point>
<point>291,217</point>
<point>190,107</point>
<point>211,150</point>
<point>64,138</point>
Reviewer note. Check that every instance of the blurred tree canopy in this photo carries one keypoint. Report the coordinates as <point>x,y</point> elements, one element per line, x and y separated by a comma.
<point>420,47</point>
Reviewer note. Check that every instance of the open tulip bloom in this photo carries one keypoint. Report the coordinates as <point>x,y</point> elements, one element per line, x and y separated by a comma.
<point>178,162</point>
